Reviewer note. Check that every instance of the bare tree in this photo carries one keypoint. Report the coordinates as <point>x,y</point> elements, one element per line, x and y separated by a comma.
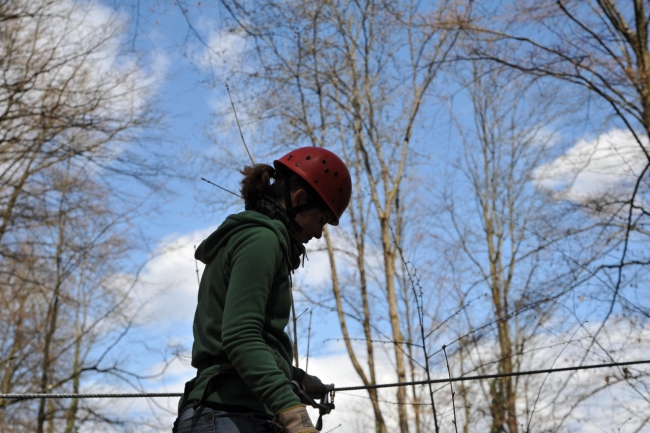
<point>62,97</point>
<point>598,47</point>
<point>599,51</point>
<point>70,105</point>
<point>512,238</point>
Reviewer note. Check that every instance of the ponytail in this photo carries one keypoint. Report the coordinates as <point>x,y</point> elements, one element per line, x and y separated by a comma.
<point>256,183</point>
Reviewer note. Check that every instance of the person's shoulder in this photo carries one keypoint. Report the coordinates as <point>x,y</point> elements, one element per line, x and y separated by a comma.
<point>258,229</point>
<point>262,233</point>
<point>251,218</point>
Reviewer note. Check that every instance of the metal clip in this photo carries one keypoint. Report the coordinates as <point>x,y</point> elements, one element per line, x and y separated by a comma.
<point>324,407</point>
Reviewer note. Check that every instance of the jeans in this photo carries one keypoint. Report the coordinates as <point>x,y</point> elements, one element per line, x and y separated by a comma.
<point>206,420</point>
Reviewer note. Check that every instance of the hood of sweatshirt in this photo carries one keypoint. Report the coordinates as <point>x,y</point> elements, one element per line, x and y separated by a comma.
<point>208,249</point>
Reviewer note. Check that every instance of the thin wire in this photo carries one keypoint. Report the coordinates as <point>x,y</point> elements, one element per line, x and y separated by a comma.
<point>196,265</point>
<point>238,126</point>
<point>227,190</point>
<point>453,394</point>
<point>64,395</point>
<point>493,376</point>
<point>350,388</point>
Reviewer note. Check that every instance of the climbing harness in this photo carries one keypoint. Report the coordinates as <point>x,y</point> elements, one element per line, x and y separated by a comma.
<point>201,402</point>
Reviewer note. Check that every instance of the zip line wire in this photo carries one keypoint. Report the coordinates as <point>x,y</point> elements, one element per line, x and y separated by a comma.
<point>493,376</point>
<point>349,388</point>
<point>63,395</point>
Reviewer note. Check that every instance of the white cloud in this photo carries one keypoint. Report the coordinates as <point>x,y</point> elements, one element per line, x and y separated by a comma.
<point>84,40</point>
<point>353,408</point>
<point>70,55</point>
<point>317,266</point>
<point>602,408</point>
<point>169,282</point>
<point>317,271</point>
<point>152,415</point>
<point>594,167</point>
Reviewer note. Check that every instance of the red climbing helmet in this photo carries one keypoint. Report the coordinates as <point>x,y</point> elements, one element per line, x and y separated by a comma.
<point>323,171</point>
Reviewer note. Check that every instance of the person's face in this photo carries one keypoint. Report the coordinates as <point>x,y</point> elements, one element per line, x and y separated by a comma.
<point>311,220</point>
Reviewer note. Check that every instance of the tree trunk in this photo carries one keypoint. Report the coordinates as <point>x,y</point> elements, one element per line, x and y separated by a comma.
<point>380,425</point>
<point>393,311</point>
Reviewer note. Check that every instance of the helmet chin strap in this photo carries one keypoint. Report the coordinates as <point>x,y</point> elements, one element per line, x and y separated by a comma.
<point>303,207</point>
<point>293,211</point>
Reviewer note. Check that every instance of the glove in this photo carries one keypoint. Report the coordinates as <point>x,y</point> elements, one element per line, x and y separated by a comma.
<point>296,420</point>
<point>314,387</point>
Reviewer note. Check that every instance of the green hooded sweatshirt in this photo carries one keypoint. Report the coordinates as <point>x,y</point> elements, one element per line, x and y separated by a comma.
<point>243,308</point>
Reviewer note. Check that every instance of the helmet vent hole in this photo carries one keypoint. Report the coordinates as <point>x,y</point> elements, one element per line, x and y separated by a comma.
<point>324,162</point>
<point>290,156</point>
<point>316,181</point>
<point>336,174</point>
<point>327,170</point>
<point>308,158</point>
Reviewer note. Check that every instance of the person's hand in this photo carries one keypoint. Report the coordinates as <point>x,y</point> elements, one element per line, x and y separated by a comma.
<point>296,420</point>
<point>314,387</point>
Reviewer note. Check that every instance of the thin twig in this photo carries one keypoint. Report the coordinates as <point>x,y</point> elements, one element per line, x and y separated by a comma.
<point>308,341</point>
<point>539,392</point>
<point>196,265</point>
<point>238,126</point>
<point>420,307</point>
<point>295,330</point>
<point>453,394</point>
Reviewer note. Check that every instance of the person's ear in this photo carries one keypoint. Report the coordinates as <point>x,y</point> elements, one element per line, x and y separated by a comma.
<point>298,197</point>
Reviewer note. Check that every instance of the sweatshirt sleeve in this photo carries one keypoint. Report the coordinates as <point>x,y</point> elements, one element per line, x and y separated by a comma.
<point>254,262</point>
<point>297,374</point>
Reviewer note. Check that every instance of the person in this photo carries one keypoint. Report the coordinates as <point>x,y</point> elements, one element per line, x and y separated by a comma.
<point>243,356</point>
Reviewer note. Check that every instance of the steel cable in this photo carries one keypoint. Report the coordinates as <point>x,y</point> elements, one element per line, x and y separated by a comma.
<point>349,388</point>
<point>493,376</point>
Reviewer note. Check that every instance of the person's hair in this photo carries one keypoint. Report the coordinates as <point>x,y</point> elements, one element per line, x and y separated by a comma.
<point>257,184</point>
